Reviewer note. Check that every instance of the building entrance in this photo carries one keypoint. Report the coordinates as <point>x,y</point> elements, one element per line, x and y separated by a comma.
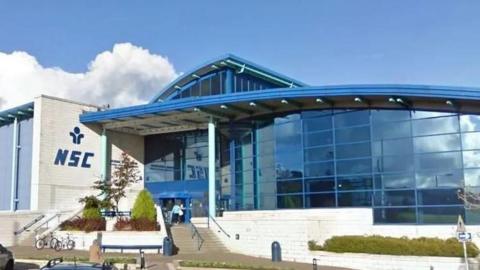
<point>167,204</point>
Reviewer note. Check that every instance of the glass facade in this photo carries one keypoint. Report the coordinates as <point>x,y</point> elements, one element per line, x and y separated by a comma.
<point>406,165</point>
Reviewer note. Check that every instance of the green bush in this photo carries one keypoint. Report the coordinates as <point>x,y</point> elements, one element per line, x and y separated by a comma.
<point>396,246</point>
<point>144,207</point>
<point>91,213</point>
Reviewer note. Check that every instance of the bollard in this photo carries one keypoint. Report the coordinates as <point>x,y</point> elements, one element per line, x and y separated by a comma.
<point>314,264</point>
<point>276,252</point>
<point>167,247</point>
<point>142,260</point>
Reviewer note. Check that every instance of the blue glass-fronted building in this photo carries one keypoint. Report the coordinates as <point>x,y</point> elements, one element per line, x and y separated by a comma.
<point>232,135</point>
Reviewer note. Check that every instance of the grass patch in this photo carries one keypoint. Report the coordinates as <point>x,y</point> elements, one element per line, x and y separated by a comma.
<point>423,246</point>
<point>225,265</point>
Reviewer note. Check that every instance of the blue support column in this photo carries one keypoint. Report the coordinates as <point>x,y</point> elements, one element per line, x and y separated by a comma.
<point>211,169</point>
<point>233,177</point>
<point>13,197</point>
<point>229,81</point>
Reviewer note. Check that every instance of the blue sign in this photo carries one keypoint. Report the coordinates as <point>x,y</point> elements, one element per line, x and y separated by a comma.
<point>75,158</point>
<point>464,237</point>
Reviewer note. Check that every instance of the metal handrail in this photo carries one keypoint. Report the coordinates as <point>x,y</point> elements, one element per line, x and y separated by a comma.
<point>46,221</point>
<point>30,224</point>
<point>220,227</point>
<point>195,232</point>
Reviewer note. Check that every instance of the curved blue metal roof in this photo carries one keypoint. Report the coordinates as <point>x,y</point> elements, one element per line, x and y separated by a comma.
<point>450,97</point>
<point>227,60</point>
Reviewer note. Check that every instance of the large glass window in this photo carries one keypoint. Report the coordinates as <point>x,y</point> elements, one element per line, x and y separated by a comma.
<point>408,166</point>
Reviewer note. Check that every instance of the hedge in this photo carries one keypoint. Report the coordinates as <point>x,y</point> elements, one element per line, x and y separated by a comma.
<point>395,246</point>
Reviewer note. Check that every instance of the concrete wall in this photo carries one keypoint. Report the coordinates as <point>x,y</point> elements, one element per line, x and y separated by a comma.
<point>60,186</point>
<point>388,262</point>
<point>11,222</point>
<point>294,228</point>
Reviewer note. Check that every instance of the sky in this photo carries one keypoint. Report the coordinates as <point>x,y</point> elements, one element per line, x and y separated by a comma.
<point>123,52</point>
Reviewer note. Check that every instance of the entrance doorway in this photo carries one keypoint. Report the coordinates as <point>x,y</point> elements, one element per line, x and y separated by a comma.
<point>167,202</point>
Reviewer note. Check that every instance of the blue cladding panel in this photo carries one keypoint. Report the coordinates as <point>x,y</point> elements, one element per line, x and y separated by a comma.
<point>178,189</point>
<point>25,164</point>
<point>6,135</point>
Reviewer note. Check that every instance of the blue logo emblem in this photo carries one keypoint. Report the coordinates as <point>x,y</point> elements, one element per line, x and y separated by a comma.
<point>76,135</point>
<point>74,158</point>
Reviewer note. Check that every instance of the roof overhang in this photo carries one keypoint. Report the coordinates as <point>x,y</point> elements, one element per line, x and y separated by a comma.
<point>194,113</point>
<point>24,111</point>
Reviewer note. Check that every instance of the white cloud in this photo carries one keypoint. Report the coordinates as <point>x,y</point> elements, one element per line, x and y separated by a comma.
<point>125,76</point>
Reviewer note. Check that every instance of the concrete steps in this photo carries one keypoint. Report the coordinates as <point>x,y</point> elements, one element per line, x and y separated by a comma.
<point>182,237</point>
<point>30,239</point>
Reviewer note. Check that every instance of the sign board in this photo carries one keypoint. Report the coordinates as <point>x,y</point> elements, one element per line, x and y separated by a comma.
<point>464,237</point>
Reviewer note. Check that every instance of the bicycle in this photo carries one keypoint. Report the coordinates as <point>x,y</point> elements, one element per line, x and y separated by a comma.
<point>65,243</point>
<point>43,242</point>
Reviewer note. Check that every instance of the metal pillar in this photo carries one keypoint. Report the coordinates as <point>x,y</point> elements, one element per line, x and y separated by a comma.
<point>104,156</point>
<point>13,197</point>
<point>229,81</point>
<point>211,169</point>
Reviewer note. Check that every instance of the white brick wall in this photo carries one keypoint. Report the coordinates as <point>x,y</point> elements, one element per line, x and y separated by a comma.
<point>60,187</point>
<point>294,228</point>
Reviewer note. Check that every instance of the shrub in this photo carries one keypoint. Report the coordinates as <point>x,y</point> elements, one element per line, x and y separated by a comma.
<point>91,202</point>
<point>141,224</point>
<point>396,246</point>
<point>144,207</point>
<point>91,213</point>
<point>83,224</point>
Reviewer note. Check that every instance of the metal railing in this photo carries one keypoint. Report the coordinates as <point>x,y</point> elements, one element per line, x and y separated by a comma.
<point>218,225</point>
<point>196,234</point>
<point>29,225</point>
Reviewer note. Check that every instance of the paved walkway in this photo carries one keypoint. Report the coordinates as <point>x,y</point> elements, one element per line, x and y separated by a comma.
<point>155,261</point>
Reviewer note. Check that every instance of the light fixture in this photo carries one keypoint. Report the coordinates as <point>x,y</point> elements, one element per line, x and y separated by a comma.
<point>319,100</point>
<point>357,99</point>
<point>391,100</point>
<point>223,107</point>
<point>196,109</point>
<point>449,103</point>
<point>253,104</point>
<point>399,100</point>
<point>284,101</point>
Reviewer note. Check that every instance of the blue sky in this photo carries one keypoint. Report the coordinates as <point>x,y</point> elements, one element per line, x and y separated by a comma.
<point>318,42</point>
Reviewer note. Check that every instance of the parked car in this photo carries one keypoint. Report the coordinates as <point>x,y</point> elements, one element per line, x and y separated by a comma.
<point>6,259</point>
<point>58,264</point>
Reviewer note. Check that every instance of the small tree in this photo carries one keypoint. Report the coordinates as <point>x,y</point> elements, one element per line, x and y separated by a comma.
<point>114,189</point>
<point>125,174</point>
<point>144,207</point>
